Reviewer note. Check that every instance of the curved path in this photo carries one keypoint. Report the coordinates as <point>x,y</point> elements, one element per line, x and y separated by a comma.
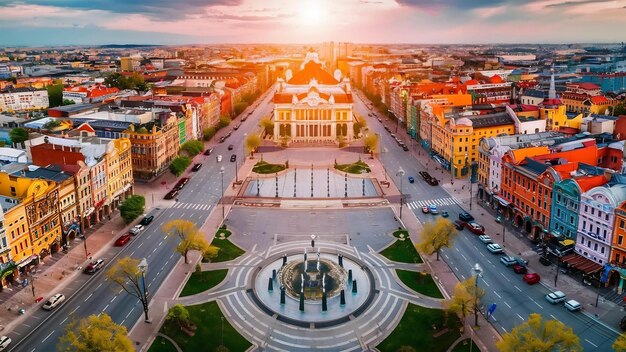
<point>360,333</point>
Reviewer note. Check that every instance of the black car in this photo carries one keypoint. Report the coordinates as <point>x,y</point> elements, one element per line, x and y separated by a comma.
<point>233,158</point>
<point>146,220</point>
<point>425,175</point>
<point>222,139</point>
<point>228,134</point>
<point>405,148</point>
<point>196,167</point>
<point>230,147</point>
<point>237,126</point>
<point>467,217</point>
<point>171,194</point>
<point>244,118</point>
<point>545,261</point>
<point>208,151</point>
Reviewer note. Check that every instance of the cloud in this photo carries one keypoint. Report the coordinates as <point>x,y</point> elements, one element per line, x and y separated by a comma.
<point>578,3</point>
<point>455,4</point>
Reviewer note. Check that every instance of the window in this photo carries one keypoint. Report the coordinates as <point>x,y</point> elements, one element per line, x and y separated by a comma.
<point>620,240</point>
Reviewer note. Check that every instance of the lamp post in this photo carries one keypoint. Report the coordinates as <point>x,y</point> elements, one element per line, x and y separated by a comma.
<point>32,281</point>
<point>401,174</point>
<point>222,200</point>
<point>143,268</point>
<point>478,271</point>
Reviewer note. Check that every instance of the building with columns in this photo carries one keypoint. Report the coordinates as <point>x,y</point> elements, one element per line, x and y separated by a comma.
<point>313,106</point>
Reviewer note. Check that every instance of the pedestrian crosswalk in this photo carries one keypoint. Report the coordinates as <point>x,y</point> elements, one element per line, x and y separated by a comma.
<point>195,206</point>
<point>441,201</point>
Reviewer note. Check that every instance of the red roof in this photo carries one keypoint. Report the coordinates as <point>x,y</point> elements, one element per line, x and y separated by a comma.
<point>496,79</point>
<point>599,99</point>
<point>585,85</point>
<point>588,182</point>
<point>286,98</point>
<point>472,82</point>
<point>313,70</point>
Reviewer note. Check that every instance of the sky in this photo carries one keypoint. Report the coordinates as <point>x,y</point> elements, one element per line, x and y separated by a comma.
<point>93,22</point>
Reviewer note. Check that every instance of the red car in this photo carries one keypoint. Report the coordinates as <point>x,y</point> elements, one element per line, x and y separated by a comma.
<point>520,269</point>
<point>473,226</point>
<point>122,240</point>
<point>425,210</point>
<point>532,278</point>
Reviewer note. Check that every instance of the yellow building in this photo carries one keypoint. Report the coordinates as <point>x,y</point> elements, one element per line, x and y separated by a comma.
<point>555,114</point>
<point>119,172</point>
<point>126,64</point>
<point>17,231</point>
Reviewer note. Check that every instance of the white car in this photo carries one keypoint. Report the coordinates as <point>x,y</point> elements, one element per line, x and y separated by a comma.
<point>508,260</point>
<point>137,229</point>
<point>494,248</point>
<point>573,305</point>
<point>54,302</point>
<point>556,297</point>
<point>485,239</point>
<point>219,158</point>
<point>4,342</point>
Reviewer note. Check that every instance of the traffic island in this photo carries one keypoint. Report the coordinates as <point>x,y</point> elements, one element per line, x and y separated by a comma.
<point>201,281</point>
<point>227,250</point>
<point>419,281</point>
<point>402,250</point>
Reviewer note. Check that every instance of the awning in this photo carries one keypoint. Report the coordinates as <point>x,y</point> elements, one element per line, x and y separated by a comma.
<point>27,261</point>
<point>501,200</point>
<point>581,263</point>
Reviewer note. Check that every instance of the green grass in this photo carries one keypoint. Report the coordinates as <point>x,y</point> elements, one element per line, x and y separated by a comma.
<point>203,281</point>
<point>419,282</point>
<point>358,167</point>
<point>402,251</point>
<point>161,344</point>
<point>228,251</point>
<point>415,330</point>
<point>460,347</point>
<point>263,167</point>
<point>208,319</point>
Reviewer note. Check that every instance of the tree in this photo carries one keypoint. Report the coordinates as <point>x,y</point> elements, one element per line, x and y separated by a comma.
<point>18,136</point>
<point>224,122</point>
<point>67,102</point>
<point>620,343</point>
<point>180,315</point>
<point>465,298</point>
<point>371,142</point>
<point>252,142</point>
<point>132,207</point>
<point>180,164</point>
<point>620,109</point>
<point>436,235</point>
<point>192,148</point>
<point>268,125</point>
<point>190,237</point>
<point>208,133</point>
<point>358,125</point>
<point>52,124</point>
<point>95,333</point>
<point>536,335</point>
<point>210,253</point>
<point>126,274</point>
<point>55,95</point>
<point>238,108</point>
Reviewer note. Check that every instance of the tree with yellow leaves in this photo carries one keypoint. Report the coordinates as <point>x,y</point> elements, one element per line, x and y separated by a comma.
<point>465,299</point>
<point>371,143</point>
<point>536,335</point>
<point>252,142</point>
<point>620,344</point>
<point>127,274</point>
<point>96,333</point>
<point>190,237</point>
<point>436,235</point>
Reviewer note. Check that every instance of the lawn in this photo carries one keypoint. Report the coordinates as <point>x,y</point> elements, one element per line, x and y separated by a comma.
<point>228,251</point>
<point>358,167</point>
<point>419,282</point>
<point>263,167</point>
<point>203,281</point>
<point>416,330</point>
<point>460,347</point>
<point>161,344</point>
<point>208,318</point>
<point>402,251</point>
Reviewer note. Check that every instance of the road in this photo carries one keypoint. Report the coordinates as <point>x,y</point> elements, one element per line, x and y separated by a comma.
<point>89,295</point>
<point>514,299</point>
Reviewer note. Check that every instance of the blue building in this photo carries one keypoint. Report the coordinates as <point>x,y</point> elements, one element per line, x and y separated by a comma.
<point>609,82</point>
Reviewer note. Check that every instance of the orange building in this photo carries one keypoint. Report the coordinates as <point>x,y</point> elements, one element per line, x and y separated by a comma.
<point>618,245</point>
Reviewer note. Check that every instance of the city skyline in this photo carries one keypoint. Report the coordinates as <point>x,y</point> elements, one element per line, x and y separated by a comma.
<point>67,22</point>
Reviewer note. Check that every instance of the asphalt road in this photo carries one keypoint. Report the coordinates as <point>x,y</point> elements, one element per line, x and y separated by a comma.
<point>89,295</point>
<point>514,299</point>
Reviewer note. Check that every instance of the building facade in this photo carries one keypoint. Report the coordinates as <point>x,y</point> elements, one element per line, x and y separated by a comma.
<point>23,99</point>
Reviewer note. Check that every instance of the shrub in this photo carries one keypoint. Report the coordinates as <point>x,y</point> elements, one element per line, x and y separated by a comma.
<point>224,121</point>
<point>209,132</point>
<point>132,207</point>
<point>180,164</point>
<point>192,148</point>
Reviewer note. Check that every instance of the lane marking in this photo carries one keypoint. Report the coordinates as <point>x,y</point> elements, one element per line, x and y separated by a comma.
<point>591,343</point>
<point>88,297</point>
<point>139,246</point>
<point>496,293</point>
<point>519,289</point>
<point>72,312</point>
<point>44,340</point>
<point>105,308</point>
<point>520,316</point>
<point>507,304</point>
<point>63,321</point>
<point>113,299</point>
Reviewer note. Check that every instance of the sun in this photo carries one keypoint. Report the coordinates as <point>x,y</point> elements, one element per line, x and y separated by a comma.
<point>312,12</point>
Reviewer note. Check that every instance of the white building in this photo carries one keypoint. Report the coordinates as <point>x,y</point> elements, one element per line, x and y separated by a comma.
<point>21,99</point>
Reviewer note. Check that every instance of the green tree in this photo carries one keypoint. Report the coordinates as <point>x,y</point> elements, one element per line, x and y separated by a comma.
<point>132,207</point>
<point>268,125</point>
<point>536,335</point>
<point>252,142</point>
<point>180,315</point>
<point>180,164</point>
<point>371,142</point>
<point>620,343</point>
<point>190,237</point>
<point>238,108</point>
<point>465,299</point>
<point>55,95</point>
<point>52,124</point>
<point>192,148</point>
<point>224,122</point>
<point>359,125</point>
<point>436,235</point>
<point>209,132</point>
<point>126,274</point>
<point>619,109</point>
<point>67,102</point>
<point>18,136</point>
<point>95,333</point>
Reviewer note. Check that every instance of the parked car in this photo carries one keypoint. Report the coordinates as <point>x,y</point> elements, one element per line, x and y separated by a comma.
<point>137,229</point>
<point>425,175</point>
<point>545,261</point>
<point>508,260</point>
<point>433,209</point>
<point>556,297</point>
<point>237,126</point>
<point>473,226</point>
<point>171,194</point>
<point>181,183</point>
<point>405,148</point>
<point>494,248</point>
<point>54,301</point>
<point>425,209</point>
<point>4,342</point>
<point>531,278</point>
<point>228,134</point>
<point>466,217</point>
<point>233,158</point>
<point>146,220</point>
<point>222,139</point>
<point>122,240</point>
<point>208,151</point>
<point>411,179</point>
<point>485,239</point>
<point>521,261</point>
<point>573,305</point>
<point>92,267</point>
<point>230,147</point>
<point>432,181</point>
<point>196,167</point>
<point>444,214</point>
<point>219,158</point>
<point>520,269</point>
<point>245,117</point>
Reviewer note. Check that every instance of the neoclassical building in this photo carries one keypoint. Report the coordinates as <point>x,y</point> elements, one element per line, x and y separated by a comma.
<point>313,106</point>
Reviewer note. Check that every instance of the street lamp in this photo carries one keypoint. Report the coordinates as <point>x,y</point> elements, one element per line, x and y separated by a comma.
<point>143,268</point>
<point>401,174</point>
<point>478,271</point>
<point>222,199</point>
